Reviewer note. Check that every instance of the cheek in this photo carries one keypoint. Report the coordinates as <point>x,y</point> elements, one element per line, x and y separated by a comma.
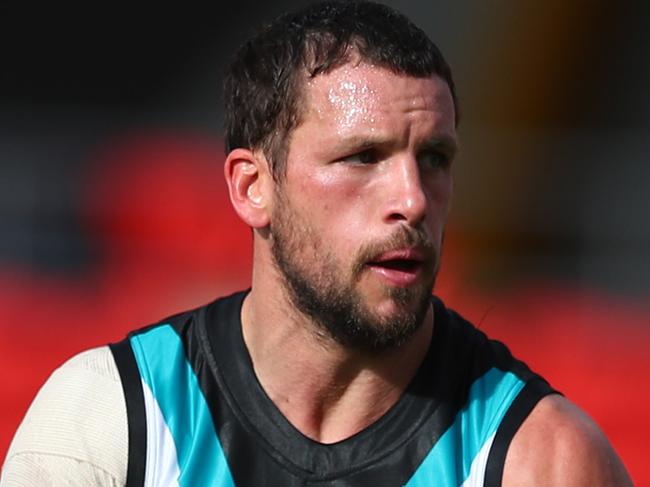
<point>334,206</point>
<point>331,192</point>
<point>440,196</point>
<point>441,189</point>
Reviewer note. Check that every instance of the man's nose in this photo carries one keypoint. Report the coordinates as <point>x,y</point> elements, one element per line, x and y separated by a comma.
<point>407,198</point>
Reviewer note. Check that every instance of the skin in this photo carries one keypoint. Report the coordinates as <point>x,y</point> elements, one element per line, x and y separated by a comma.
<point>575,450</point>
<point>371,156</point>
<point>388,154</point>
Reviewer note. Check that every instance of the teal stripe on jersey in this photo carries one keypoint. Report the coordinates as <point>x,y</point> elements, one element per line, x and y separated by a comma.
<point>490,396</point>
<point>163,366</point>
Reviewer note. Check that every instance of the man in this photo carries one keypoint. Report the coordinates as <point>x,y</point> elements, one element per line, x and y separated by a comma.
<point>337,367</point>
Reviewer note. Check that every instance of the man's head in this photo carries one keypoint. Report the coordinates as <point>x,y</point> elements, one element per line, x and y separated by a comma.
<point>348,180</point>
<point>264,87</point>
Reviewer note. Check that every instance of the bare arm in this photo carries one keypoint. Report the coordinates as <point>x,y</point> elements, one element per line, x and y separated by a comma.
<point>558,444</point>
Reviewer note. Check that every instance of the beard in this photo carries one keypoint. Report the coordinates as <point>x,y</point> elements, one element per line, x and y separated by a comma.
<point>316,284</point>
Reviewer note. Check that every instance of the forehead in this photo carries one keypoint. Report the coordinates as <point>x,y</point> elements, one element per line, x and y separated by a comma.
<point>359,94</point>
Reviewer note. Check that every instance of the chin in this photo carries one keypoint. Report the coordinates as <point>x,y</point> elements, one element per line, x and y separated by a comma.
<point>391,309</point>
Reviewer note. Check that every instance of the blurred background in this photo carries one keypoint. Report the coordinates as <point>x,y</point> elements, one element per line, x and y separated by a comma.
<point>113,210</point>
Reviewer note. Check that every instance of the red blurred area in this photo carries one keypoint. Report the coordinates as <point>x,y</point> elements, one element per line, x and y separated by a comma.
<point>158,210</point>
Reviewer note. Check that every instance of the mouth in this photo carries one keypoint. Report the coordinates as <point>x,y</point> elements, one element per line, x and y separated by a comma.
<point>401,267</point>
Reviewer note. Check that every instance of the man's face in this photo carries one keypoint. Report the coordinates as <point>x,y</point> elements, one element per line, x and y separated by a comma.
<point>357,222</point>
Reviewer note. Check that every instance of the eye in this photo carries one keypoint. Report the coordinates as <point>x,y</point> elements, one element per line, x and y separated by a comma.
<point>433,159</point>
<point>368,156</point>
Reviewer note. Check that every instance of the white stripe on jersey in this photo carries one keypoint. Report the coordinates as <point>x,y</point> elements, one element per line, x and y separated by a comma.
<point>162,462</point>
<point>477,470</point>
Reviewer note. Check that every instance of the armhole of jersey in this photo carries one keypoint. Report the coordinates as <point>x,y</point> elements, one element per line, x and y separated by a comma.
<point>135,411</point>
<point>521,407</point>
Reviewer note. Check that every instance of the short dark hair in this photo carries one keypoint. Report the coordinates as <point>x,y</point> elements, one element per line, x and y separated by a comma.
<point>263,88</point>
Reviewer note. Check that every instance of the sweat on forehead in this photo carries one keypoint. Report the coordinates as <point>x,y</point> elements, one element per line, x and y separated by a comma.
<point>361,107</point>
<point>357,92</point>
<point>348,92</point>
<point>265,83</point>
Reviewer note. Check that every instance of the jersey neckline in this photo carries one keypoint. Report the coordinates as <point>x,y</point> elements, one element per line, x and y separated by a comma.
<point>261,418</point>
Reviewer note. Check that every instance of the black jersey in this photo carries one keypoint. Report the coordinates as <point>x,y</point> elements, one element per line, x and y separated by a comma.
<point>198,416</point>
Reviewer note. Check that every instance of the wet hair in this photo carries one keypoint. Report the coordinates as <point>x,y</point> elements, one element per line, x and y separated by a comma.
<point>264,86</point>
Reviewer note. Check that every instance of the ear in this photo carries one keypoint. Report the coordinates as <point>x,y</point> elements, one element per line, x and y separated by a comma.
<point>249,185</point>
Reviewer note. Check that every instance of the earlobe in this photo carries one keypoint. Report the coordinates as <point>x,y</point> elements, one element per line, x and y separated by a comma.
<point>246,177</point>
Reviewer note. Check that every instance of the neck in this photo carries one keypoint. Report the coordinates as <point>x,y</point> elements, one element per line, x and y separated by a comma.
<point>327,391</point>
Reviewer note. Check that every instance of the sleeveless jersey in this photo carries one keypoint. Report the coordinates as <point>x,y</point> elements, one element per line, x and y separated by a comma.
<point>199,417</point>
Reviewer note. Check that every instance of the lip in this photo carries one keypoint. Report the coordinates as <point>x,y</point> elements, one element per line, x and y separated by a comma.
<point>401,277</point>
<point>413,254</point>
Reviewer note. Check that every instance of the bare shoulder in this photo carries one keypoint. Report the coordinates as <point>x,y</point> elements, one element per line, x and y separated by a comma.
<point>559,444</point>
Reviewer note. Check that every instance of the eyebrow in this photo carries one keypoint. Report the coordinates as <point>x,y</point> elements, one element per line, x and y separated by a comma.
<point>365,141</point>
<point>445,143</point>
